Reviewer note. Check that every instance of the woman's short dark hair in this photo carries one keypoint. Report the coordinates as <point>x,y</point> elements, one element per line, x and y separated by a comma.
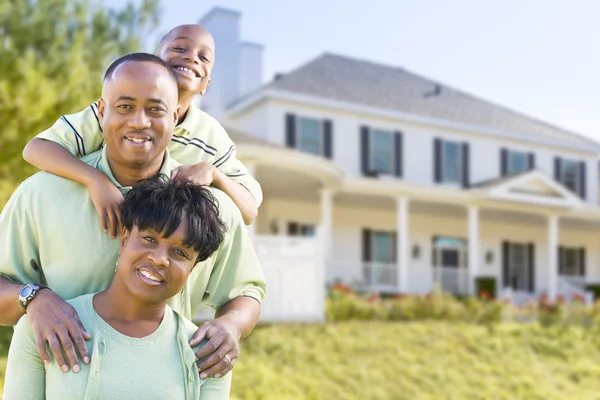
<point>160,204</point>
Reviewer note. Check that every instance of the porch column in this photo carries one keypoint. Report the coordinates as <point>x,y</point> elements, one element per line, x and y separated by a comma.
<point>552,256</point>
<point>251,166</point>
<point>473,257</point>
<point>402,244</point>
<point>326,223</point>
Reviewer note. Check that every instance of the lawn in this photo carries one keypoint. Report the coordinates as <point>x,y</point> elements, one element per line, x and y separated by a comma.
<point>417,360</point>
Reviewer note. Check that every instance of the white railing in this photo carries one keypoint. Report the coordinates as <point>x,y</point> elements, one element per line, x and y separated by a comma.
<point>452,280</point>
<point>294,271</point>
<point>374,276</point>
<point>570,286</point>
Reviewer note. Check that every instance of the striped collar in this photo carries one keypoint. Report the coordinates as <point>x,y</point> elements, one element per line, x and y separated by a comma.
<point>192,121</point>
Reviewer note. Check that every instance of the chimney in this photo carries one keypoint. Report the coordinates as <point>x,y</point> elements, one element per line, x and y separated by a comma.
<point>251,66</point>
<point>225,85</point>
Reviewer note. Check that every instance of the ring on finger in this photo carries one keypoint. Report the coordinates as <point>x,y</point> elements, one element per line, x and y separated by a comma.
<point>227,358</point>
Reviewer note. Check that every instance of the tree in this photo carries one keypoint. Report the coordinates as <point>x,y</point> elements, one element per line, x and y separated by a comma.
<point>53,54</point>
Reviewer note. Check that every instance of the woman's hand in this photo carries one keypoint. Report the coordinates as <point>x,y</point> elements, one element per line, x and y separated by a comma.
<point>107,199</point>
<point>218,356</point>
<point>55,321</point>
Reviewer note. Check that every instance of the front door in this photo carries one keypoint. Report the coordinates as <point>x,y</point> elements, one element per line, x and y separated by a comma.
<point>518,266</point>
<point>449,264</point>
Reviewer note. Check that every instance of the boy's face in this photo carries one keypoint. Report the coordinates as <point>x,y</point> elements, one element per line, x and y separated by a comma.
<point>190,51</point>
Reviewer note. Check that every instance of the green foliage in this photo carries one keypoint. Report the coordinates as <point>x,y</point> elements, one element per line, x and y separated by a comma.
<point>53,54</point>
<point>343,304</point>
<point>417,361</point>
<point>486,285</point>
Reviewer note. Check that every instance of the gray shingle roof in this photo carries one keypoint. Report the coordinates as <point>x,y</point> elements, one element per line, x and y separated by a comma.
<point>363,82</point>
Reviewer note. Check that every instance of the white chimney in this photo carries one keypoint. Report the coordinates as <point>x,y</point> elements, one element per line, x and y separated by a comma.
<point>251,66</point>
<point>225,83</point>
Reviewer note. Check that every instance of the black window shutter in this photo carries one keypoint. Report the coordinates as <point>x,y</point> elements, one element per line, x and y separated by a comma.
<point>503,162</point>
<point>466,182</point>
<point>292,228</point>
<point>364,149</point>
<point>557,165</point>
<point>531,266</point>
<point>328,138</point>
<point>582,179</point>
<point>560,262</point>
<point>582,260</point>
<point>437,160</point>
<point>505,264</point>
<point>398,145</point>
<point>531,159</point>
<point>290,130</point>
<point>366,244</point>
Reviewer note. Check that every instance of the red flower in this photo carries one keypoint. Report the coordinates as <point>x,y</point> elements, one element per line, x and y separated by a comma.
<point>340,287</point>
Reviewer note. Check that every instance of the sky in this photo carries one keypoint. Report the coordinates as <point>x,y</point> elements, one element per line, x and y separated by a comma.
<point>541,58</point>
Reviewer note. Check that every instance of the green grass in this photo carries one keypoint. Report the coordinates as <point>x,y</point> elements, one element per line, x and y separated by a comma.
<point>420,360</point>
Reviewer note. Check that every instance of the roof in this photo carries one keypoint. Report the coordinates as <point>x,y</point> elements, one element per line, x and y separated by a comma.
<point>239,137</point>
<point>363,82</point>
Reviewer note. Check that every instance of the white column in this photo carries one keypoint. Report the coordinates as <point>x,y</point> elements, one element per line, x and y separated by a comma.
<point>402,244</point>
<point>552,256</point>
<point>473,257</point>
<point>251,166</point>
<point>326,223</point>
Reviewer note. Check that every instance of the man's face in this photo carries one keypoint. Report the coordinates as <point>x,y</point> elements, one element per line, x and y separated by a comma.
<point>138,112</point>
<point>190,51</point>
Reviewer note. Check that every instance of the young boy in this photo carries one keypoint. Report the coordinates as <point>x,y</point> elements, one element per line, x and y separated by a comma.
<point>200,143</point>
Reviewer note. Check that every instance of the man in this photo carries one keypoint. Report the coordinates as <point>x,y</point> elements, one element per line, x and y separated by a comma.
<point>49,230</point>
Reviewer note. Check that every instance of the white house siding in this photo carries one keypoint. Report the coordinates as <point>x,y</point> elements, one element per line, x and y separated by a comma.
<point>417,144</point>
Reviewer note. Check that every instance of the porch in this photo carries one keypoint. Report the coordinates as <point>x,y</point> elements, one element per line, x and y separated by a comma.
<point>528,233</point>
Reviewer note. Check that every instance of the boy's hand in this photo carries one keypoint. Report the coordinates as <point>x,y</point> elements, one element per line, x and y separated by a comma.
<point>202,173</point>
<point>107,199</point>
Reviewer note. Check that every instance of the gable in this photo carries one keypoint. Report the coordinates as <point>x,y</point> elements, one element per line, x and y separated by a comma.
<point>533,187</point>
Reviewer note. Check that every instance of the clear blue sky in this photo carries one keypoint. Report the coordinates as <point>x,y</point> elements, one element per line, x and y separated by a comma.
<point>540,57</point>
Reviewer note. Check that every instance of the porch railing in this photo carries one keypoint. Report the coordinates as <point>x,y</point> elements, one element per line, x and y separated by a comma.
<point>381,277</point>
<point>452,280</point>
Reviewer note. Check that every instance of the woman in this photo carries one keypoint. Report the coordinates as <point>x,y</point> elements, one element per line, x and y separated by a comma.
<point>139,347</point>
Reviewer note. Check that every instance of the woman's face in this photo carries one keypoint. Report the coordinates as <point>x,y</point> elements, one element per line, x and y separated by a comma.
<point>152,267</point>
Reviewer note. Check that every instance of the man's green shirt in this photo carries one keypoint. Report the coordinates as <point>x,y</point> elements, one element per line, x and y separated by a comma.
<point>50,234</point>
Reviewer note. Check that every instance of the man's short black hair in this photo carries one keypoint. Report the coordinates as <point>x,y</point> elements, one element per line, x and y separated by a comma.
<point>138,57</point>
<point>160,204</point>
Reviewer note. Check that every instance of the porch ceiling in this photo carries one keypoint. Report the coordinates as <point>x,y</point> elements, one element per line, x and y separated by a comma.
<point>287,183</point>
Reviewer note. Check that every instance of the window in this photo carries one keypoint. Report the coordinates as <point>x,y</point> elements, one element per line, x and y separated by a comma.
<point>571,262</point>
<point>382,247</point>
<point>451,162</point>
<point>309,135</point>
<point>382,151</point>
<point>569,174</point>
<point>298,229</point>
<point>449,252</point>
<point>517,161</point>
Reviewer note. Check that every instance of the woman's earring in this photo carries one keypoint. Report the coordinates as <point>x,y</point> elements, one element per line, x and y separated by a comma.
<point>117,264</point>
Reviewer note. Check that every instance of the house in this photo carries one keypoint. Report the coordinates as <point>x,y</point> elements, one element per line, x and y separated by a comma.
<point>374,174</point>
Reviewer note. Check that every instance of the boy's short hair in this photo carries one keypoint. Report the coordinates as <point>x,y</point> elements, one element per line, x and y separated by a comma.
<point>160,204</point>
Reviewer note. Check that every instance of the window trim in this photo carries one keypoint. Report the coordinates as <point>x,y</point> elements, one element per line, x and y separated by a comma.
<point>443,161</point>
<point>320,135</point>
<point>371,159</point>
